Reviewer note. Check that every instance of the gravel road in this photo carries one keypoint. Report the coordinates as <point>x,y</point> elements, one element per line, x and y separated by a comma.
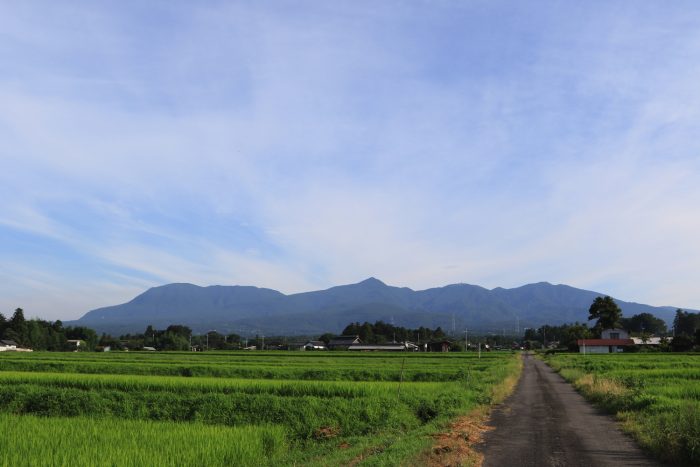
<point>545,422</point>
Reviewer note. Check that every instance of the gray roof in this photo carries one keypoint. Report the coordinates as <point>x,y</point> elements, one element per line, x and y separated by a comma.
<point>8,342</point>
<point>377,347</point>
<point>344,340</point>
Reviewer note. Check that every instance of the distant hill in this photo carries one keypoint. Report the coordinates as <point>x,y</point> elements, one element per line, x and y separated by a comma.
<point>250,310</point>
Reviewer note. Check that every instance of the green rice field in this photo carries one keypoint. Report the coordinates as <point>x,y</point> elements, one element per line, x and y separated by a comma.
<point>236,408</point>
<point>656,396</point>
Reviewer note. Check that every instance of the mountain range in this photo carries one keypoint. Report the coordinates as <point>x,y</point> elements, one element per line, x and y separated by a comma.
<point>250,310</point>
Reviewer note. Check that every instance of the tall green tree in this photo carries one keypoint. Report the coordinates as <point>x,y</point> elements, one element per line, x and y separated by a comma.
<point>606,312</point>
<point>644,323</point>
<point>686,323</point>
<point>17,327</point>
<point>3,324</point>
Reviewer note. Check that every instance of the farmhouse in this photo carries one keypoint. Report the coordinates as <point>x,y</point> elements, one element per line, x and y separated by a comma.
<point>6,345</point>
<point>439,346</point>
<point>343,342</point>
<point>315,345</point>
<point>298,345</point>
<point>611,341</point>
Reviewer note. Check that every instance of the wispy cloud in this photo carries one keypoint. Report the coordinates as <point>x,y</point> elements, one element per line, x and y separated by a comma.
<point>303,145</point>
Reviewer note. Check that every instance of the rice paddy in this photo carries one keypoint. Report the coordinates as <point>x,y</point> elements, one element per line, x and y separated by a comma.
<point>236,408</point>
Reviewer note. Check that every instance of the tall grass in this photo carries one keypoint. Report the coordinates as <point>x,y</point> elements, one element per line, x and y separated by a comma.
<point>83,441</point>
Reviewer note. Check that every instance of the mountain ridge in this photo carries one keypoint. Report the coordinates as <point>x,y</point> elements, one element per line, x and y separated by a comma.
<point>251,309</point>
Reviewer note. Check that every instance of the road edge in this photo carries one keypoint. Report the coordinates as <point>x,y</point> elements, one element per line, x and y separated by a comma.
<point>455,446</point>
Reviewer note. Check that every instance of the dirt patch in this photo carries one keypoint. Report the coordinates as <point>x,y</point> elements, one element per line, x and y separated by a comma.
<point>454,446</point>
<point>326,432</point>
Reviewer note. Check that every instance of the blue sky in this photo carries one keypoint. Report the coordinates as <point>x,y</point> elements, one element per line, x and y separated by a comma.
<point>300,145</point>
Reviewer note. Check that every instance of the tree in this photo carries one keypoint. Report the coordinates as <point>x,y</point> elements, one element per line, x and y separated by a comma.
<point>18,326</point>
<point>644,323</point>
<point>326,338</point>
<point>682,343</point>
<point>3,324</point>
<point>606,311</point>
<point>180,330</point>
<point>686,323</point>
<point>571,333</point>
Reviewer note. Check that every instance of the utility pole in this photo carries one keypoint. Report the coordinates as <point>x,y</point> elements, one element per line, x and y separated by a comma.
<point>544,337</point>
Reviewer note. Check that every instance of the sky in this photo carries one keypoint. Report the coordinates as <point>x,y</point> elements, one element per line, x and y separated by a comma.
<point>300,145</point>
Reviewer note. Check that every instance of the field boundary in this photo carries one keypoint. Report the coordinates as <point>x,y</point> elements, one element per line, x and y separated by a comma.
<point>455,446</point>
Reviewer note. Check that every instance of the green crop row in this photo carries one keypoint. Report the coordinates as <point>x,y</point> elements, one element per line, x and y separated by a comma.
<point>83,441</point>
<point>273,366</point>
<point>304,407</point>
<point>656,396</point>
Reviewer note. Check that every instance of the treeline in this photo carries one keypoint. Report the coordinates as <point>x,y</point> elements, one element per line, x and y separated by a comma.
<point>179,337</point>
<point>566,335</point>
<point>381,332</point>
<point>37,334</point>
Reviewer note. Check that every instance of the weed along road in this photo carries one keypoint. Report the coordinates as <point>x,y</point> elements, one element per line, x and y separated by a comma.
<point>547,423</point>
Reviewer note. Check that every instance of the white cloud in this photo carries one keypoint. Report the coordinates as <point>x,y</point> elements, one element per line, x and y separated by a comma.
<point>306,147</point>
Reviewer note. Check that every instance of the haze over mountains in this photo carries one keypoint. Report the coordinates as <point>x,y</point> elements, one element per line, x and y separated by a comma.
<point>250,310</point>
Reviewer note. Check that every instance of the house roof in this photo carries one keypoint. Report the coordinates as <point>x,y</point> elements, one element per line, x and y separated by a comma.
<point>648,341</point>
<point>8,342</point>
<point>605,342</point>
<point>344,340</point>
<point>377,347</point>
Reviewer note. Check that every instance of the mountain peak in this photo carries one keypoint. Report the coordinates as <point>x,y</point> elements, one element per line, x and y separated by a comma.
<point>371,281</point>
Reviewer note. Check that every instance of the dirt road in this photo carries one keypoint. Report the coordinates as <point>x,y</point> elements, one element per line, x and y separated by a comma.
<point>546,423</point>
